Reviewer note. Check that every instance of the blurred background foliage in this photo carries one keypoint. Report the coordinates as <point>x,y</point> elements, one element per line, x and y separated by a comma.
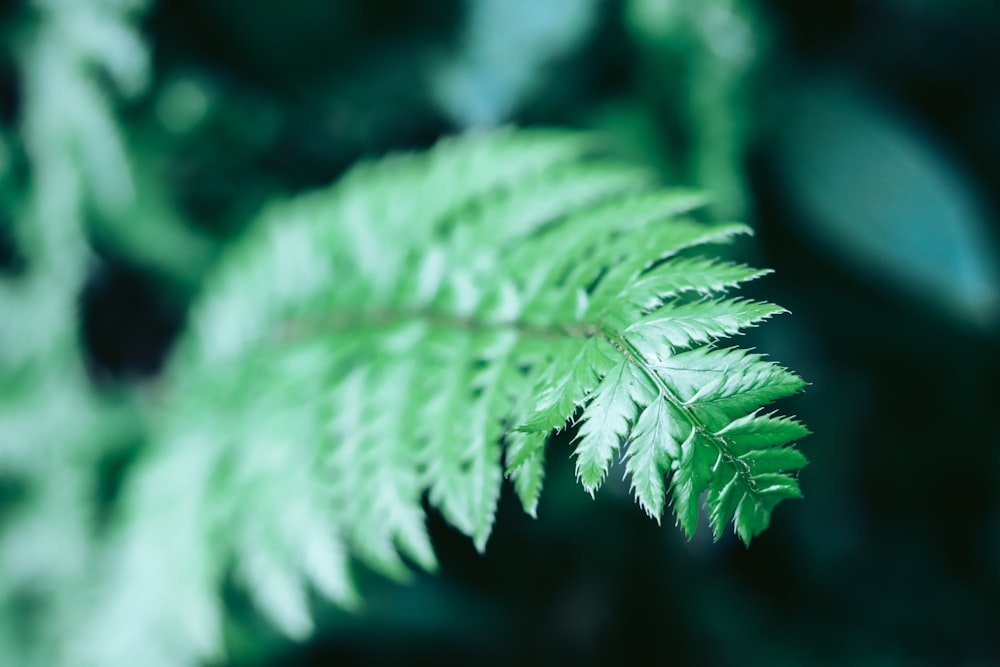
<point>861,138</point>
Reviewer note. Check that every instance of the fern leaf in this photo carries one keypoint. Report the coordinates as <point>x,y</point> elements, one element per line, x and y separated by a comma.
<point>692,478</point>
<point>581,237</point>
<point>624,260</point>
<point>755,433</point>
<point>650,450</point>
<point>681,325</point>
<point>278,592</point>
<point>704,276</point>
<point>607,420</point>
<point>720,385</point>
<point>526,466</point>
<point>572,373</point>
<point>382,342</point>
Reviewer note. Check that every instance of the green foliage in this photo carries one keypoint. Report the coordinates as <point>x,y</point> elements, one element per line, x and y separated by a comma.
<point>388,337</point>
<point>55,430</point>
<point>700,66</point>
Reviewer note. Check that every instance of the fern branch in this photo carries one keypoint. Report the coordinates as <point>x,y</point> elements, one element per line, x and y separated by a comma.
<point>698,429</point>
<point>419,329</point>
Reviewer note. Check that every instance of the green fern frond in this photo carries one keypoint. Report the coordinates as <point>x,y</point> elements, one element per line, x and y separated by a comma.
<point>385,340</point>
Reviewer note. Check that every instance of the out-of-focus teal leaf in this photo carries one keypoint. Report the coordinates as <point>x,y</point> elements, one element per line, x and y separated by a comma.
<point>505,48</point>
<point>888,203</point>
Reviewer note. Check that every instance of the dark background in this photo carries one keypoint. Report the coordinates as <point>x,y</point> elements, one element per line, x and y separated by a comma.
<point>893,557</point>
